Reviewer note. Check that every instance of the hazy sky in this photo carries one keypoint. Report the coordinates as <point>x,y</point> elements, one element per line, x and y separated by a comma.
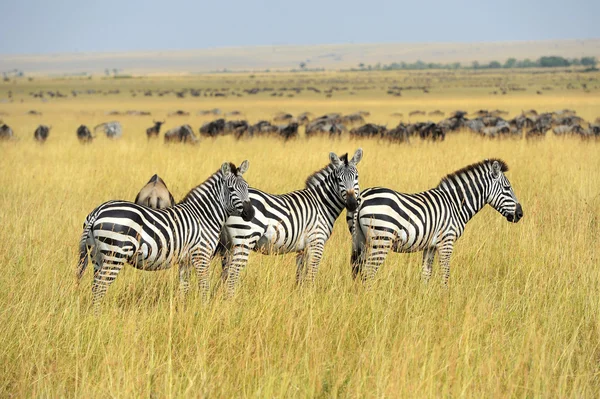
<point>46,26</point>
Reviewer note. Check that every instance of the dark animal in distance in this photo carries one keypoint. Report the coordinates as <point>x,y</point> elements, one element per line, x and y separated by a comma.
<point>41,133</point>
<point>154,131</point>
<point>181,134</point>
<point>84,135</point>
<point>6,132</point>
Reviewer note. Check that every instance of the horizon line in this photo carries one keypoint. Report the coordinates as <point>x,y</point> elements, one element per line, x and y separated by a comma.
<point>138,51</point>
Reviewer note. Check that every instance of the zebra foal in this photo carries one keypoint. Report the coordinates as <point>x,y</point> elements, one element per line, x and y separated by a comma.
<point>429,221</point>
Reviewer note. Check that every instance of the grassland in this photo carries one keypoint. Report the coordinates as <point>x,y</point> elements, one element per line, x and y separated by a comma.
<point>520,318</point>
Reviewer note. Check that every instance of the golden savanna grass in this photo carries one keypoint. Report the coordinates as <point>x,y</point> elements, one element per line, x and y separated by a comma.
<point>519,319</point>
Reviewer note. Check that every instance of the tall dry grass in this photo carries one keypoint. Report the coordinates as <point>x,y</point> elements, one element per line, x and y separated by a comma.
<point>520,317</point>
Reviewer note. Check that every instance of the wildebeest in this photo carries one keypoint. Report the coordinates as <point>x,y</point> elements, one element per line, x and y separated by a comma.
<point>155,194</point>
<point>214,128</point>
<point>6,132</point>
<point>433,131</point>
<point>289,131</point>
<point>179,112</point>
<point>154,131</point>
<point>328,124</point>
<point>567,129</point>
<point>181,134</point>
<point>113,129</point>
<point>283,117</point>
<point>369,130</point>
<point>237,127</point>
<point>41,133</point>
<point>303,118</point>
<point>593,130</point>
<point>260,128</point>
<point>398,134</point>
<point>84,135</point>
<point>352,119</point>
<point>437,112</point>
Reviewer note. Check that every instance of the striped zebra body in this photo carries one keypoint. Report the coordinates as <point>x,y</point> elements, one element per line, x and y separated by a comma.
<point>119,232</point>
<point>430,221</point>
<point>300,221</point>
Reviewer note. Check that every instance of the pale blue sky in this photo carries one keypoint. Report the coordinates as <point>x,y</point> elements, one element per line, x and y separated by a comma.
<point>46,26</point>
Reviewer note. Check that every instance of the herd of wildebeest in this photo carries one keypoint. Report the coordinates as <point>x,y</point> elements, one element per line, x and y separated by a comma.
<point>493,124</point>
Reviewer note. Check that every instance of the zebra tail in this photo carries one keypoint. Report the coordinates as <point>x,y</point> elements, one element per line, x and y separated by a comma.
<point>83,247</point>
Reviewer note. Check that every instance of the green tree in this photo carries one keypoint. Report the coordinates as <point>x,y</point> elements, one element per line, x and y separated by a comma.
<point>475,64</point>
<point>510,63</point>
<point>495,64</point>
<point>553,61</point>
<point>588,61</point>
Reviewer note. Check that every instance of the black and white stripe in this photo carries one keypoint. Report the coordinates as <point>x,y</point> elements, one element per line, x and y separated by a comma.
<point>300,221</point>
<point>429,221</point>
<point>119,232</point>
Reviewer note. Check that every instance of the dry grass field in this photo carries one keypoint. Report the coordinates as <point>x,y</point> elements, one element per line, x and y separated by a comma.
<point>520,317</point>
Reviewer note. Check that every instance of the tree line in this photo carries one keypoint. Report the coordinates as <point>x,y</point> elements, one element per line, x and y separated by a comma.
<point>542,62</point>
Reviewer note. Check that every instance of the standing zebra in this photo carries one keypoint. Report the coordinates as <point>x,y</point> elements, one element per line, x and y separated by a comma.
<point>117,232</point>
<point>112,129</point>
<point>429,221</point>
<point>300,221</point>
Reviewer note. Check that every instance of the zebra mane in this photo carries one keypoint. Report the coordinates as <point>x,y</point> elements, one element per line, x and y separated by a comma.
<point>189,194</point>
<point>319,176</point>
<point>475,166</point>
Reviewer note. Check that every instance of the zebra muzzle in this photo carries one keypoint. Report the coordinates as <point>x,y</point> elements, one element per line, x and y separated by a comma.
<point>517,215</point>
<point>351,201</point>
<point>248,211</point>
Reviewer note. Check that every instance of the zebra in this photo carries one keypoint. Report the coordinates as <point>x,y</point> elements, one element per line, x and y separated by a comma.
<point>117,232</point>
<point>429,221</point>
<point>300,221</point>
<point>113,129</point>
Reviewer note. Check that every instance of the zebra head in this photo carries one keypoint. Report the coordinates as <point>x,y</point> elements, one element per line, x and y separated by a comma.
<point>346,175</point>
<point>501,195</point>
<point>235,191</point>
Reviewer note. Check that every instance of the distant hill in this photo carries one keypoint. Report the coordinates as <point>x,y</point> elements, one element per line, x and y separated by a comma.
<point>335,56</point>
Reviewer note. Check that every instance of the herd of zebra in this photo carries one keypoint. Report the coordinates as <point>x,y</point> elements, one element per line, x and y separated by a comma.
<point>225,217</point>
<point>529,124</point>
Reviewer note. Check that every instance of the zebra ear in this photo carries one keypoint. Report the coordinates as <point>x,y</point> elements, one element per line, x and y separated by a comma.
<point>357,156</point>
<point>334,159</point>
<point>225,169</point>
<point>496,169</point>
<point>243,167</point>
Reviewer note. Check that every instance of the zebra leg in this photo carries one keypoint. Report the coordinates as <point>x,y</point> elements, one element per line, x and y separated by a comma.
<point>239,259</point>
<point>201,260</point>
<point>379,247</point>
<point>184,277</point>
<point>225,255</point>
<point>313,259</point>
<point>428,255</point>
<point>300,261</point>
<point>105,273</point>
<point>445,253</point>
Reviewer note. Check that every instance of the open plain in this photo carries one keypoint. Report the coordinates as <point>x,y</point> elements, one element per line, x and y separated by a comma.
<point>520,316</point>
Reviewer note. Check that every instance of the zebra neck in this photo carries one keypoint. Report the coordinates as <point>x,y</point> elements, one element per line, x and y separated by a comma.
<point>468,197</point>
<point>328,198</point>
<point>205,201</point>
